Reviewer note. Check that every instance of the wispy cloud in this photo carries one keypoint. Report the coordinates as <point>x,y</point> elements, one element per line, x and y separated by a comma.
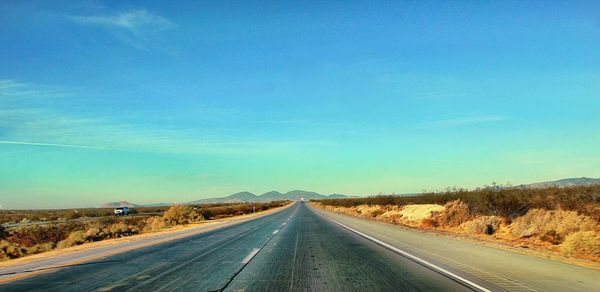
<point>133,21</point>
<point>14,89</point>
<point>48,144</point>
<point>59,122</point>
<point>465,121</point>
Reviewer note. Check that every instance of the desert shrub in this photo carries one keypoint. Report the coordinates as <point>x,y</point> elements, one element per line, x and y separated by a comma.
<point>75,238</point>
<point>32,235</point>
<point>215,211</point>
<point>392,216</point>
<point>369,211</point>
<point>155,224</point>
<point>551,236</point>
<point>455,213</point>
<point>182,214</point>
<point>482,225</point>
<point>428,223</point>
<point>121,229</point>
<point>584,243</point>
<point>551,225</point>
<point>39,248</point>
<point>509,202</point>
<point>10,250</point>
<point>3,232</point>
<point>95,233</point>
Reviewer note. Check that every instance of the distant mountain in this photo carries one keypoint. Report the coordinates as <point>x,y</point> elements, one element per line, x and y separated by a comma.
<point>270,196</point>
<point>120,204</point>
<point>242,197</point>
<point>298,194</point>
<point>567,182</point>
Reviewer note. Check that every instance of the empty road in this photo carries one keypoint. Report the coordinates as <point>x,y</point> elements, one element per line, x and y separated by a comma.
<point>296,249</point>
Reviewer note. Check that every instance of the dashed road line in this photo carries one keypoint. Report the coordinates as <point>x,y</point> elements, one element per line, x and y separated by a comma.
<point>249,257</point>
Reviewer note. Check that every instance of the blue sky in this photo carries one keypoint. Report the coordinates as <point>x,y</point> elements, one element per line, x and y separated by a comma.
<point>172,102</point>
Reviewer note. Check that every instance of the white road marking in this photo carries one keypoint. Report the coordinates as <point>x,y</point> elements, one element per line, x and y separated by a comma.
<point>416,259</point>
<point>275,232</point>
<point>249,257</point>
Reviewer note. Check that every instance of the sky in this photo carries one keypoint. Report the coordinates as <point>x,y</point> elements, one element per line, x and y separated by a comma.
<point>156,101</point>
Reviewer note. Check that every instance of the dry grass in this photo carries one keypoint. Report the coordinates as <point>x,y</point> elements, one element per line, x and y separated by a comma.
<point>182,214</point>
<point>155,224</point>
<point>583,243</point>
<point>393,215</point>
<point>551,225</point>
<point>454,214</point>
<point>482,225</point>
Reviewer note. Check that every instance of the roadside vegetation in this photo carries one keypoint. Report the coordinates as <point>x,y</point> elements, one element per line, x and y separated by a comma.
<point>565,219</point>
<point>28,240</point>
<point>27,216</point>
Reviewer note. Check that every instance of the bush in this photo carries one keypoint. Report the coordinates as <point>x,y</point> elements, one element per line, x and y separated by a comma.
<point>10,250</point>
<point>121,229</point>
<point>155,224</point>
<point>583,243</point>
<point>3,232</point>
<point>551,225</point>
<point>391,216</point>
<point>75,238</point>
<point>182,214</point>
<point>482,225</point>
<point>428,223</point>
<point>369,211</point>
<point>32,235</point>
<point>455,213</point>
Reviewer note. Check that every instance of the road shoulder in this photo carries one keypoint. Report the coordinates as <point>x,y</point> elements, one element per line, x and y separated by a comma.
<point>500,267</point>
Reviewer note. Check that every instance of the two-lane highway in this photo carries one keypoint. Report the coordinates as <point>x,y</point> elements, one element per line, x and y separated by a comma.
<point>294,249</point>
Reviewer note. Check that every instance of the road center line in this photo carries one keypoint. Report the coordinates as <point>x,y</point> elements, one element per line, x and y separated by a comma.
<point>414,258</point>
<point>249,257</point>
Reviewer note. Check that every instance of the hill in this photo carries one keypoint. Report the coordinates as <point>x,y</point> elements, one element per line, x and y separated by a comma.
<point>567,182</point>
<point>248,197</point>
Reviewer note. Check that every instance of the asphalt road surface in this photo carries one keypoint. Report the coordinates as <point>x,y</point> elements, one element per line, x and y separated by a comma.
<point>294,249</point>
<point>303,249</point>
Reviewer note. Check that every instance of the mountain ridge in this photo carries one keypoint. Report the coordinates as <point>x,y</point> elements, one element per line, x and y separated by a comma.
<point>561,183</point>
<point>248,197</point>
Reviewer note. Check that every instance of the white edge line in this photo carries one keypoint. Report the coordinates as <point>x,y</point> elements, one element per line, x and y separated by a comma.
<point>414,258</point>
<point>249,257</point>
